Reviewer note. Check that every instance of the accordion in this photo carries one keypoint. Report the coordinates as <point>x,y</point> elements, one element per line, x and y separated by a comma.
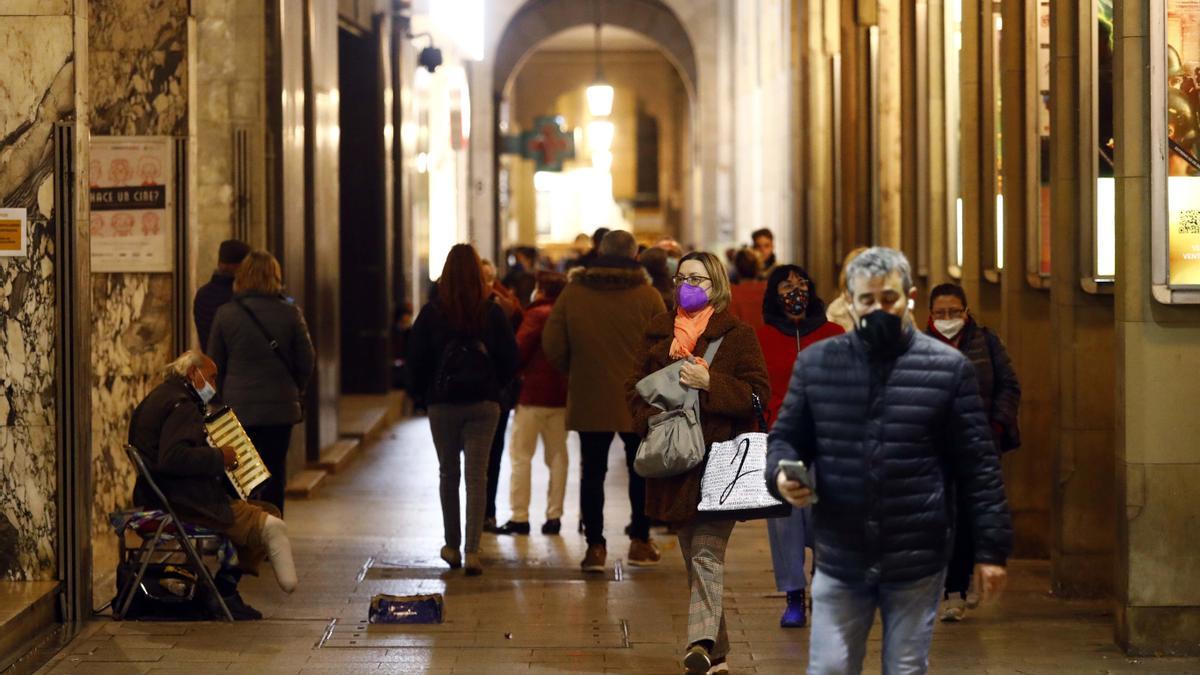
<point>224,429</point>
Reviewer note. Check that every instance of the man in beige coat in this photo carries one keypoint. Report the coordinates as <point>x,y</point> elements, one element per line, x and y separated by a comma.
<point>593,336</point>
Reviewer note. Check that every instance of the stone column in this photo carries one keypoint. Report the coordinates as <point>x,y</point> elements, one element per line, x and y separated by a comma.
<point>889,113</point>
<point>1082,325</point>
<point>45,83</point>
<point>937,180</point>
<point>973,162</point>
<point>1025,311</point>
<point>1158,560</point>
<point>139,80</point>
<point>819,38</point>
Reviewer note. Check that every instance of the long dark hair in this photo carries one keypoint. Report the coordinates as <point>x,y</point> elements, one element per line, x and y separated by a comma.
<point>773,313</point>
<point>655,262</point>
<point>460,290</point>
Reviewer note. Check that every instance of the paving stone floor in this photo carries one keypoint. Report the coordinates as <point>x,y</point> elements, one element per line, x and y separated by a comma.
<point>377,528</point>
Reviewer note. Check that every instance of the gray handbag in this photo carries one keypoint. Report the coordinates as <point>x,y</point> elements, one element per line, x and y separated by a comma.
<point>674,442</point>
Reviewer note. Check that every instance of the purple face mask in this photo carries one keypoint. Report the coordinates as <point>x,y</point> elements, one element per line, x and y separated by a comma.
<point>692,298</point>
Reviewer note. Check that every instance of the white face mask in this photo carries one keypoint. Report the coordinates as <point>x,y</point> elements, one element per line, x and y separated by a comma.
<point>207,392</point>
<point>949,327</point>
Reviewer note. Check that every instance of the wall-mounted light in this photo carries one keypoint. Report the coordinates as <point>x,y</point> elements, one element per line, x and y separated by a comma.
<point>999,232</point>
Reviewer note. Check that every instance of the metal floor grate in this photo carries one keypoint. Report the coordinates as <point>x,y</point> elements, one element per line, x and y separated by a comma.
<point>594,634</point>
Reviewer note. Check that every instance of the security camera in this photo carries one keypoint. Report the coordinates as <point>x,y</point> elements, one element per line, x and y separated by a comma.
<point>430,58</point>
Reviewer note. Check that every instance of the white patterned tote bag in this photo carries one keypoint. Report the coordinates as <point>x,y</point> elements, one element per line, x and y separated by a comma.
<point>733,484</point>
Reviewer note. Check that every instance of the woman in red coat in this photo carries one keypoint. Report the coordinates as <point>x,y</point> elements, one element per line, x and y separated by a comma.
<point>793,318</point>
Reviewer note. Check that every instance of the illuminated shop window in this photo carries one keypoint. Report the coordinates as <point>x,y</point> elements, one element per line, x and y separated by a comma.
<point>1183,142</point>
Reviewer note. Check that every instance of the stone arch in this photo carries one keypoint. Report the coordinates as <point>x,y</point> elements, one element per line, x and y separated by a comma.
<point>540,19</point>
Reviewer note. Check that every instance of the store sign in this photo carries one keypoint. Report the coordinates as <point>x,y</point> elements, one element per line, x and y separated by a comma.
<point>14,233</point>
<point>132,204</point>
<point>548,144</point>
<point>1183,141</point>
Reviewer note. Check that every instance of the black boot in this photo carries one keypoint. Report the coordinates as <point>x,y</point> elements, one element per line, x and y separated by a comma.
<point>226,581</point>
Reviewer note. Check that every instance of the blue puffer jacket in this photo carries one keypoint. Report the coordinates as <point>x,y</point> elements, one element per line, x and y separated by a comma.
<point>889,440</point>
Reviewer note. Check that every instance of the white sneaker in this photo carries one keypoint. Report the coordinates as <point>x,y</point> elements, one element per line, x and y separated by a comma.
<point>972,600</point>
<point>954,610</point>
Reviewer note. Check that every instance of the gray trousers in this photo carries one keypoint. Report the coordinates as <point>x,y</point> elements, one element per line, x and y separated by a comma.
<point>703,547</point>
<point>463,429</point>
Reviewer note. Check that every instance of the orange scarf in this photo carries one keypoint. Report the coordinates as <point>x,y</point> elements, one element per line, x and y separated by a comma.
<point>688,329</point>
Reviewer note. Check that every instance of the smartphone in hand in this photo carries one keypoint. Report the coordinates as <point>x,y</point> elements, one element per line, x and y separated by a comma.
<point>795,470</point>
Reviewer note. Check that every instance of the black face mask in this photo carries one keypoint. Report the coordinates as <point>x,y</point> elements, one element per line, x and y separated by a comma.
<point>881,331</point>
<point>795,301</point>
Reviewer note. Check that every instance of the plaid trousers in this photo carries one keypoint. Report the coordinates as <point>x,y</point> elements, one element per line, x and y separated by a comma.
<point>703,546</point>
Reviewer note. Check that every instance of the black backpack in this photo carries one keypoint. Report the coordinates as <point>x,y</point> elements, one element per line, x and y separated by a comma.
<point>465,373</point>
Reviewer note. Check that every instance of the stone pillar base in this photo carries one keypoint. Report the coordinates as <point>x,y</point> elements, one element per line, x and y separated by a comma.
<point>1159,631</point>
<point>1081,575</point>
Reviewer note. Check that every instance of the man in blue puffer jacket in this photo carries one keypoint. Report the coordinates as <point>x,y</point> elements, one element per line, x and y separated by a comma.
<point>891,423</point>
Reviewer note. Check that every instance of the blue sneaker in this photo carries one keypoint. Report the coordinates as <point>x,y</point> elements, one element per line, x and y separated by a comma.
<point>795,616</point>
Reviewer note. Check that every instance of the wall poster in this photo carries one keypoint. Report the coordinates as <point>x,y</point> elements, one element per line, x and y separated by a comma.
<point>132,204</point>
<point>1183,141</point>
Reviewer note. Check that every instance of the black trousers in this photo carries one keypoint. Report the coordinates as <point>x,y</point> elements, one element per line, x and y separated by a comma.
<point>962,557</point>
<point>272,445</point>
<point>495,459</point>
<point>594,447</point>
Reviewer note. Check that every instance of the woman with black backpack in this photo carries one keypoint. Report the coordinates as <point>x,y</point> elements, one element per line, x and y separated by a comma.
<point>461,355</point>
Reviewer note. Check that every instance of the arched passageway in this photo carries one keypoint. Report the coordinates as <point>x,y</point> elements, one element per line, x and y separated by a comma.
<point>629,168</point>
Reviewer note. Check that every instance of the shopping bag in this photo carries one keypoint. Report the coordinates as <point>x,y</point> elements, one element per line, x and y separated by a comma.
<point>733,483</point>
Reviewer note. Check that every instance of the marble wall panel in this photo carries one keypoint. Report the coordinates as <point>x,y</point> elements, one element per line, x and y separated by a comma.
<point>137,72</point>
<point>27,502</point>
<point>131,342</point>
<point>138,67</point>
<point>36,59</point>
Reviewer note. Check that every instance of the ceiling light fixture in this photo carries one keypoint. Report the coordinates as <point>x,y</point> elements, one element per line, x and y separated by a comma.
<point>600,93</point>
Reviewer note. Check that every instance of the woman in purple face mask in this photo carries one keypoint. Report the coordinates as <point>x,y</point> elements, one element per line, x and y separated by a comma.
<point>727,387</point>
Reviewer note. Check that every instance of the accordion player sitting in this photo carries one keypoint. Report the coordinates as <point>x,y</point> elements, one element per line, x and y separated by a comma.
<point>168,431</point>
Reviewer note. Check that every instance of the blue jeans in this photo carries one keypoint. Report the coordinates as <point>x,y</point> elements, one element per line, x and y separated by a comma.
<point>844,612</point>
<point>788,537</point>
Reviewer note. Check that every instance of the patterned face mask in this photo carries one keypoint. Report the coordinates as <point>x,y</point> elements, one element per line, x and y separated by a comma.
<point>795,301</point>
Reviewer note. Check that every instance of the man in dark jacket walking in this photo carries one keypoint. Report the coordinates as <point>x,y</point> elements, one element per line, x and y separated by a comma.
<point>891,422</point>
<point>168,431</point>
<point>219,289</point>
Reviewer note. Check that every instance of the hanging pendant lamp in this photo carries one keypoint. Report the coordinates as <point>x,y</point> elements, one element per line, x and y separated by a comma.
<point>600,93</point>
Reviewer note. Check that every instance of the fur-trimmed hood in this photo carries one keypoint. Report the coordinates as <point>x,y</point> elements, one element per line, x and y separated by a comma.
<point>611,274</point>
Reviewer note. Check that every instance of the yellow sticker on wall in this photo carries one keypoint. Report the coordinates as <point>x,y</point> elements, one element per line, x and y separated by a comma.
<point>12,232</point>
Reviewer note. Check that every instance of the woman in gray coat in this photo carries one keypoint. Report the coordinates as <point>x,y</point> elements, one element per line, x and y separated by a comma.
<point>264,358</point>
